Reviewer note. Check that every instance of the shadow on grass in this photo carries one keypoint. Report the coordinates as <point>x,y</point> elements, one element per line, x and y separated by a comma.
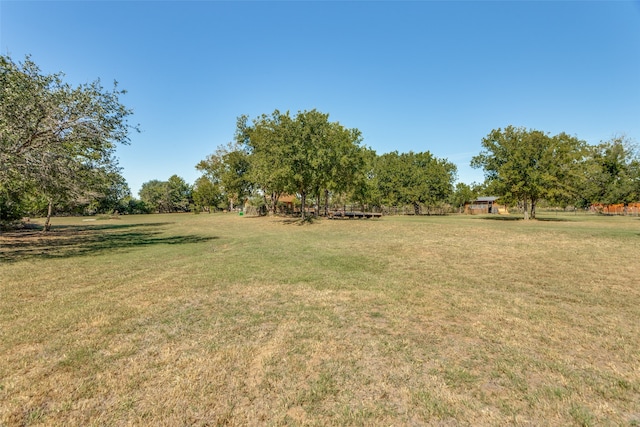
<point>500,218</point>
<point>299,221</point>
<point>512,218</point>
<point>72,241</point>
<point>516,218</point>
<point>110,226</point>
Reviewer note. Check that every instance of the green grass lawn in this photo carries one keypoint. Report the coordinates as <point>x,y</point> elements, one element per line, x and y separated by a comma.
<point>220,319</point>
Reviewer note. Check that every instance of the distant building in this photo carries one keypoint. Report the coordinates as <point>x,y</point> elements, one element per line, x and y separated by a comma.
<point>485,205</point>
<point>286,202</point>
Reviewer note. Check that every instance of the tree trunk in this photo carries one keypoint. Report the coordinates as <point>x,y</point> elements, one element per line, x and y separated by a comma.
<point>274,201</point>
<point>416,208</point>
<point>271,209</point>
<point>47,223</point>
<point>526,209</point>
<point>326,202</point>
<point>533,209</point>
<point>271,203</point>
<point>266,202</point>
<point>303,200</point>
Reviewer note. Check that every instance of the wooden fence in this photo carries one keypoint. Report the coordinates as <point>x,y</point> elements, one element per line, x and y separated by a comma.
<point>616,209</point>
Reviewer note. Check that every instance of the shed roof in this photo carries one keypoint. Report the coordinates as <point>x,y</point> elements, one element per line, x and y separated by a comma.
<point>486,199</point>
<point>287,198</point>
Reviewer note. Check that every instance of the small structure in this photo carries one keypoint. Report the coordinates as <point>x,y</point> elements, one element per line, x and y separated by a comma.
<point>485,205</point>
<point>286,202</point>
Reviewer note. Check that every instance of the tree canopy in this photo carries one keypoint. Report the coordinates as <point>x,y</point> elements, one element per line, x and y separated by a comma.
<point>206,194</point>
<point>173,195</point>
<point>529,165</point>
<point>57,141</point>
<point>228,169</point>
<point>611,173</point>
<point>305,155</point>
<point>414,178</point>
<point>310,156</point>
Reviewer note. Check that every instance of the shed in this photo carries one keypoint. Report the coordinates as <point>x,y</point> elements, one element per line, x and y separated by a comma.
<point>485,205</point>
<point>286,202</point>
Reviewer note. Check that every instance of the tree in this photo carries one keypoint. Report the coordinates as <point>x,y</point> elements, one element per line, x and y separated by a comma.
<point>309,132</point>
<point>366,186</point>
<point>206,194</point>
<point>228,168</point>
<point>132,205</point>
<point>414,178</point>
<point>528,165</point>
<point>268,142</point>
<point>113,194</point>
<point>55,139</point>
<point>179,193</point>
<point>611,173</point>
<point>342,162</point>
<point>173,195</point>
<point>12,205</point>
<point>155,195</point>
<point>303,155</point>
<point>462,194</point>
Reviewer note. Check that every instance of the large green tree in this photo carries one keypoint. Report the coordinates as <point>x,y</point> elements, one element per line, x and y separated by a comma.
<point>325,157</point>
<point>269,140</point>
<point>310,132</point>
<point>179,194</point>
<point>206,195</point>
<point>414,178</point>
<point>113,195</point>
<point>305,155</point>
<point>529,165</point>
<point>155,195</point>
<point>463,194</point>
<point>56,140</point>
<point>366,188</point>
<point>173,195</point>
<point>342,163</point>
<point>228,168</point>
<point>611,173</point>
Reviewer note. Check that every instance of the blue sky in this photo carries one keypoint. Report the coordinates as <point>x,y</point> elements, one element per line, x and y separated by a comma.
<point>415,75</point>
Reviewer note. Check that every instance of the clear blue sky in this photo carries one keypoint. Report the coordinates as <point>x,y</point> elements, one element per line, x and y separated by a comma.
<point>415,75</point>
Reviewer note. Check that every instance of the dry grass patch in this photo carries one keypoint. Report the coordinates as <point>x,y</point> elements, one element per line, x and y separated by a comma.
<point>217,319</point>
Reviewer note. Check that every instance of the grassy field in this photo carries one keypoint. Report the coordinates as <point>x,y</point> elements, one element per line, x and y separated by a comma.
<point>227,320</point>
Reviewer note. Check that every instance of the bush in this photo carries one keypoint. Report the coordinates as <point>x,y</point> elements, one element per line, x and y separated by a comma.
<point>11,209</point>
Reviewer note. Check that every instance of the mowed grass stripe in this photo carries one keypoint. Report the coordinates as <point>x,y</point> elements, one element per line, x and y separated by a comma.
<point>214,319</point>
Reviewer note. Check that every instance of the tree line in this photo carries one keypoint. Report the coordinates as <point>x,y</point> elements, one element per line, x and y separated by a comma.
<point>58,141</point>
<point>322,162</point>
<point>526,166</point>
<point>522,166</point>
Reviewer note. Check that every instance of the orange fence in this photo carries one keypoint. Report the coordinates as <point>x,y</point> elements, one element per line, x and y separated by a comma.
<point>616,209</point>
